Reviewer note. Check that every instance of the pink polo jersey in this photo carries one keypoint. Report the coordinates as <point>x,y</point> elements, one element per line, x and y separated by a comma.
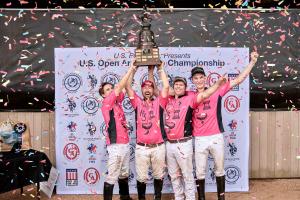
<point>113,114</point>
<point>149,119</point>
<point>178,123</point>
<point>207,117</point>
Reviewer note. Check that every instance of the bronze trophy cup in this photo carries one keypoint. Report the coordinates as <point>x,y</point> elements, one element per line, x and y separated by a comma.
<point>147,52</point>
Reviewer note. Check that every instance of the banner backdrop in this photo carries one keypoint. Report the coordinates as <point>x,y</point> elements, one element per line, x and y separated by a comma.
<point>80,142</point>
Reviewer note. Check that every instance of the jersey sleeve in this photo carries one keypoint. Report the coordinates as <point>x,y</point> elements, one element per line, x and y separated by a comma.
<point>110,100</point>
<point>121,97</point>
<point>135,100</point>
<point>193,99</point>
<point>163,100</point>
<point>224,89</point>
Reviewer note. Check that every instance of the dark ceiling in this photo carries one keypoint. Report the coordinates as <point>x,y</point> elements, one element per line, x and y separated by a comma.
<point>150,3</point>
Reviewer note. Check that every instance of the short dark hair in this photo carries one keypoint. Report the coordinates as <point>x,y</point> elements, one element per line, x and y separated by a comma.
<point>101,89</point>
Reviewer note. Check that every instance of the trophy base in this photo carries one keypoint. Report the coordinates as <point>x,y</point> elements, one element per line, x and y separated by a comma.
<point>147,63</point>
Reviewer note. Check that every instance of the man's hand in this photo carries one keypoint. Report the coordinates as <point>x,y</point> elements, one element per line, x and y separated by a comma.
<point>132,66</point>
<point>222,80</point>
<point>254,56</point>
<point>161,66</point>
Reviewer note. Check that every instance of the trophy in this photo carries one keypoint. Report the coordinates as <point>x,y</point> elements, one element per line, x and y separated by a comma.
<point>146,52</point>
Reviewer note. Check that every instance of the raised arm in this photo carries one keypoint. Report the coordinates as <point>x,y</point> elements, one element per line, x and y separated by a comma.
<point>164,78</point>
<point>207,93</point>
<point>240,78</point>
<point>129,89</point>
<point>122,84</point>
<point>151,78</point>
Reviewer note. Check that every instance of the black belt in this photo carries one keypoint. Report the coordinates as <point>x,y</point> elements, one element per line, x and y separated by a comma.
<point>180,140</point>
<point>150,145</point>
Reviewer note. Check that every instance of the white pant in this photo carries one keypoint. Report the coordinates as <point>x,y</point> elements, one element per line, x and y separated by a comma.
<point>180,168</point>
<point>146,157</point>
<point>118,162</point>
<point>213,145</point>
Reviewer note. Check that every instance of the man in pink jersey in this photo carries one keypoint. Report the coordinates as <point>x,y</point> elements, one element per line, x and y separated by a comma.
<point>178,127</point>
<point>208,128</point>
<point>116,138</point>
<point>150,147</point>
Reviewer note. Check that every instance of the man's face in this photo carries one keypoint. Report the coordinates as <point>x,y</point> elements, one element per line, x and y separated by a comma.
<point>147,92</point>
<point>199,80</point>
<point>107,89</point>
<point>179,88</point>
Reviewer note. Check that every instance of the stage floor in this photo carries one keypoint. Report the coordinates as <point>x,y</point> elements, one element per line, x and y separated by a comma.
<point>262,189</point>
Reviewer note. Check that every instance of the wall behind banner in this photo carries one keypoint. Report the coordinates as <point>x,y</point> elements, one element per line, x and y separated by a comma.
<point>28,39</point>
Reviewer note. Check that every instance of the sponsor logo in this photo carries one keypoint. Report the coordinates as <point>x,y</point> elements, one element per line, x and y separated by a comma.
<point>103,129</point>
<point>71,177</point>
<point>72,126</point>
<point>233,124</point>
<point>232,77</point>
<point>91,176</point>
<point>130,128</point>
<point>71,151</point>
<point>71,104</point>
<point>90,105</point>
<point>145,77</point>
<point>232,129</point>
<point>232,104</point>
<point>212,78</point>
<point>132,152</point>
<point>232,174</point>
<point>92,80</point>
<point>171,78</point>
<point>194,172</point>
<point>127,105</point>
<point>209,157</point>
<point>92,148</point>
<point>150,175</point>
<point>105,155</point>
<point>131,178</point>
<point>72,82</point>
<point>232,149</point>
<point>211,173</point>
<point>91,128</point>
<point>110,78</point>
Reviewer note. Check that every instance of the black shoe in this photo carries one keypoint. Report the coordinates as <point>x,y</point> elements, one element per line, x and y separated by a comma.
<point>158,185</point>
<point>141,188</point>
<point>221,187</point>
<point>124,189</point>
<point>108,191</point>
<point>201,189</point>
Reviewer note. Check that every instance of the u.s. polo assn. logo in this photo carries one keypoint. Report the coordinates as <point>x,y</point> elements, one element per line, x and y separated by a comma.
<point>110,78</point>
<point>72,82</point>
<point>232,174</point>
<point>127,107</point>
<point>90,105</point>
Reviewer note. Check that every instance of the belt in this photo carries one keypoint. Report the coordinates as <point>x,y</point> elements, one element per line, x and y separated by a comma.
<point>150,145</point>
<point>180,140</point>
